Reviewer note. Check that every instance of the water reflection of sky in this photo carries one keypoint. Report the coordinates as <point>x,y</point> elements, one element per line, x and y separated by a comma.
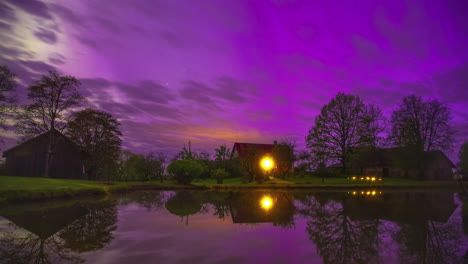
<point>233,227</point>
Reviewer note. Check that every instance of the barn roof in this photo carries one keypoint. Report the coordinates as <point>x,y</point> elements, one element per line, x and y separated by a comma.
<point>29,141</point>
<point>242,148</point>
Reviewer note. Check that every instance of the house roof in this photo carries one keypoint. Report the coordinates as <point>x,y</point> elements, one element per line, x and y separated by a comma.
<point>242,148</point>
<point>29,141</point>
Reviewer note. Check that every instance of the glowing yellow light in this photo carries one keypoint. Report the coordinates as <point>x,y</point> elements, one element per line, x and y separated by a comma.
<point>367,178</point>
<point>373,178</point>
<point>266,202</point>
<point>362,178</point>
<point>362,192</point>
<point>266,163</point>
<point>354,178</point>
<point>367,193</point>
<point>354,193</point>
<point>380,179</point>
<point>373,192</point>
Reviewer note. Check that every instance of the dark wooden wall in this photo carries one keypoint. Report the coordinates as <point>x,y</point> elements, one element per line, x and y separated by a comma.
<point>28,159</point>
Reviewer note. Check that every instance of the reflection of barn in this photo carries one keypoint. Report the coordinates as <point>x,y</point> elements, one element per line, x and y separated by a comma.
<point>411,207</point>
<point>247,208</point>
<point>45,222</point>
<point>28,159</point>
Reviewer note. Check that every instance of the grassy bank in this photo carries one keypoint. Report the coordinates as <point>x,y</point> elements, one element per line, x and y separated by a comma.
<point>22,188</point>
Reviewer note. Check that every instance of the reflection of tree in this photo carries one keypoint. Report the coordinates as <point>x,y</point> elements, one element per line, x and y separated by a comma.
<point>92,231</point>
<point>184,204</point>
<point>20,248</point>
<point>429,242</point>
<point>338,238</point>
<point>57,233</point>
<point>149,199</point>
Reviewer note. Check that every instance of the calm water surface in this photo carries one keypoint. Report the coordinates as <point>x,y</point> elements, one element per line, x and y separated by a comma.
<point>363,226</point>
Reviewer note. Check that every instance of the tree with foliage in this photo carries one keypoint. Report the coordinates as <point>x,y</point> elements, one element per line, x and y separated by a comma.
<point>98,134</point>
<point>7,94</point>
<point>344,124</point>
<point>53,97</point>
<point>463,159</point>
<point>219,175</point>
<point>222,153</point>
<point>184,171</point>
<point>421,124</point>
<point>284,157</point>
<point>250,167</point>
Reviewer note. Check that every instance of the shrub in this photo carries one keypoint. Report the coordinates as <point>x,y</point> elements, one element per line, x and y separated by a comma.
<point>184,171</point>
<point>220,175</point>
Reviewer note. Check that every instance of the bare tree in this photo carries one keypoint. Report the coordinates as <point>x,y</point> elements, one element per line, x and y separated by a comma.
<point>421,124</point>
<point>7,94</point>
<point>53,97</point>
<point>344,124</point>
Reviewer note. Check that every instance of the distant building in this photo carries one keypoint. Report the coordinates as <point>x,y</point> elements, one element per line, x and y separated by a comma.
<point>245,151</point>
<point>28,159</point>
<point>241,150</point>
<point>401,163</point>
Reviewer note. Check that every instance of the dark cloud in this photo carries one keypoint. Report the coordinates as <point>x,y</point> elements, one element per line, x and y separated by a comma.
<point>7,13</point>
<point>147,90</point>
<point>45,35</point>
<point>232,90</point>
<point>88,42</point>
<point>57,59</point>
<point>108,25</point>
<point>5,27</point>
<point>37,66</point>
<point>33,7</point>
<point>173,39</point>
<point>14,52</point>
<point>68,15</point>
<point>453,84</point>
<point>197,92</point>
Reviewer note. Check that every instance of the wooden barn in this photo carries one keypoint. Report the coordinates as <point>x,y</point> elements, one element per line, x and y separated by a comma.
<point>401,163</point>
<point>28,159</point>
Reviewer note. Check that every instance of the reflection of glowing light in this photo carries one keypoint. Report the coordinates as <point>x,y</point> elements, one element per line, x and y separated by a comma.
<point>354,178</point>
<point>367,178</point>
<point>266,202</point>
<point>267,163</point>
<point>362,178</point>
<point>373,192</point>
<point>368,193</point>
<point>354,193</point>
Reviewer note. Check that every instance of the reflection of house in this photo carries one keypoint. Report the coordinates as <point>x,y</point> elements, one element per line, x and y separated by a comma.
<point>28,159</point>
<point>247,208</point>
<point>402,163</point>
<point>404,208</point>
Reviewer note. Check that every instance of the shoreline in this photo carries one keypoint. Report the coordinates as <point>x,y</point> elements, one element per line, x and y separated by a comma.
<point>100,189</point>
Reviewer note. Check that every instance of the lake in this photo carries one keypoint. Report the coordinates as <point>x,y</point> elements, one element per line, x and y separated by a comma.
<point>360,226</point>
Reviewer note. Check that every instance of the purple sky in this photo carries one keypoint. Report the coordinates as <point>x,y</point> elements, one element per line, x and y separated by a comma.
<point>223,71</point>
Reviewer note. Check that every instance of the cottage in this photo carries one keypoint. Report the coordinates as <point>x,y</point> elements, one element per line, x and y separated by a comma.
<point>28,159</point>
<point>264,153</point>
<point>404,163</point>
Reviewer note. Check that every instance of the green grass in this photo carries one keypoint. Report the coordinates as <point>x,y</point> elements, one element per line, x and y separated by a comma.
<point>18,188</point>
<point>22,188</point>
